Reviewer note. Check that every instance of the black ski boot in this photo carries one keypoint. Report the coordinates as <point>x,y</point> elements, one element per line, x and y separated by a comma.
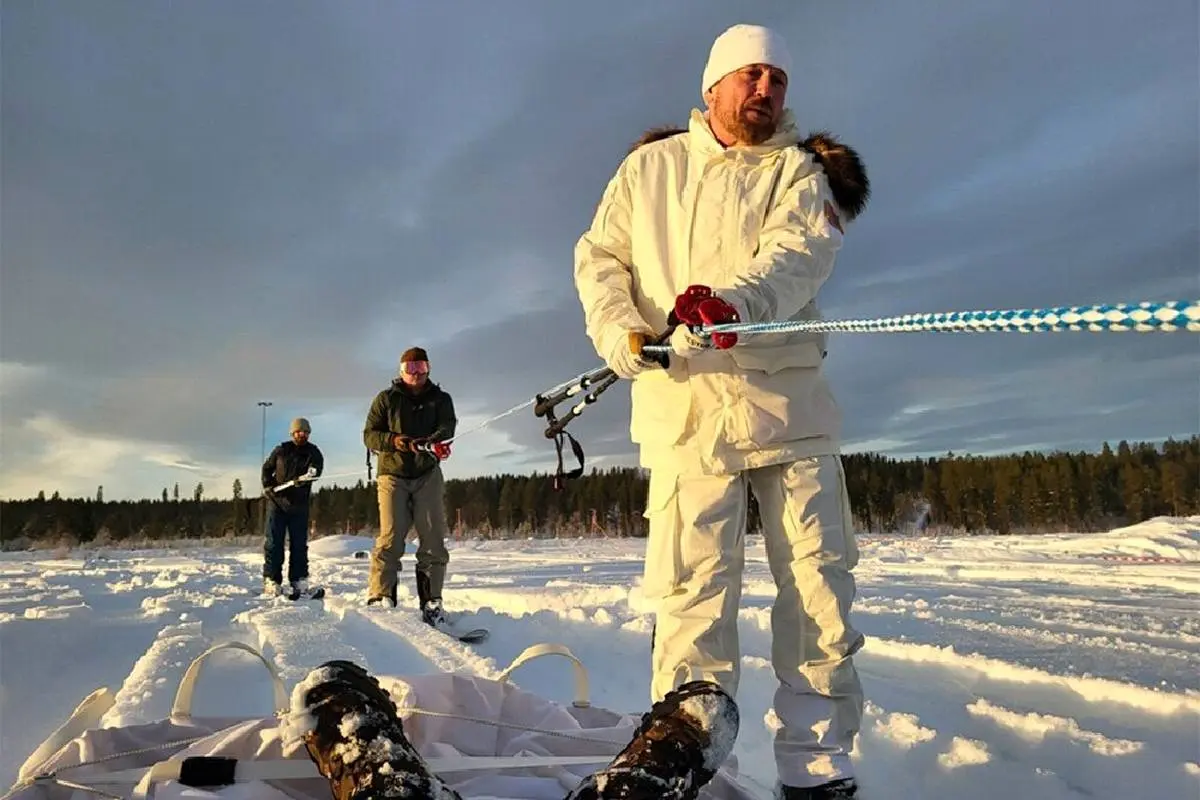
<point>846,789</point>
<point>431,606</point>
<point>357,740</point>
<point>678,748</point>
<point>433,614</point>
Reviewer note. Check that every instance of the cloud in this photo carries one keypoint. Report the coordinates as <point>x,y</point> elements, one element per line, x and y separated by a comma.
<point>199,216</point>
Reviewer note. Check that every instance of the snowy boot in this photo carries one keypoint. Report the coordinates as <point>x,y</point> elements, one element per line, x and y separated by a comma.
<point>433,614</point>
<point>271,588</point>
<point>387,601</point>
<point>357,740</point>
<point>678,748</point>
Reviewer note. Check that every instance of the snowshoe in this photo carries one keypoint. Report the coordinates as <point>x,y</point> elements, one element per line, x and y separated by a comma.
<point>678,748</point>
<point>357,740</point>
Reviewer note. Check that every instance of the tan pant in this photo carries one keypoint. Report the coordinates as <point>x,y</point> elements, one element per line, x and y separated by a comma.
<point>694,562</point>
<point>403,503</point>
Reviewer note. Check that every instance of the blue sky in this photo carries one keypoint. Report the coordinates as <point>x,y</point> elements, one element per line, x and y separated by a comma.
<point>207,205</point>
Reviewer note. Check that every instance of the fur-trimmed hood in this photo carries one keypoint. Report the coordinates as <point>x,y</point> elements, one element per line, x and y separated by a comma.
<point>843,167</point>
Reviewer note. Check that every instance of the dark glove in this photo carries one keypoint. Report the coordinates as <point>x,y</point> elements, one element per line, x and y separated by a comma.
<point>698,306</point>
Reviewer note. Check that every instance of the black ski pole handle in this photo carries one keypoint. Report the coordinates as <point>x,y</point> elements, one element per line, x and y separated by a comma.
<point>544,403</point>
<point>558,425</point>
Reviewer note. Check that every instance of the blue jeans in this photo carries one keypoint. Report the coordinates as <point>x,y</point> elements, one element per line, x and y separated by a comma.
<point>293,524</point>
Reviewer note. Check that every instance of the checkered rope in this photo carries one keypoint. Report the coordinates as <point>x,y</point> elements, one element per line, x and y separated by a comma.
<point>1176,315</point>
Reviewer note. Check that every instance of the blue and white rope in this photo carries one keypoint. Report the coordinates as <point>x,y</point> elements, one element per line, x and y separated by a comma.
<point>1177,315</point>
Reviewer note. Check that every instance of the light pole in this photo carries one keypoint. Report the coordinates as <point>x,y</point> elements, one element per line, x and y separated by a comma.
<point>263,449</point>
<point>262,517</point>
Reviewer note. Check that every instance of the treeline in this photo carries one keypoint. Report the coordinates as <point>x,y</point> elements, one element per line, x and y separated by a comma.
<point>1017,493</point>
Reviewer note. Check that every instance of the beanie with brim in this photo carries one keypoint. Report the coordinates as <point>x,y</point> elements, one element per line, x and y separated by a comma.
<point>740,46</point>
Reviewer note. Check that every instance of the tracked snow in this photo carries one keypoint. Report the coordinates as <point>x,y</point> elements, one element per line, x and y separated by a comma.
<point>1053,667</point>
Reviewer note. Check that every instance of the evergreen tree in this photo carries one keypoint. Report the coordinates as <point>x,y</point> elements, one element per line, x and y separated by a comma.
<point>1014,493</point>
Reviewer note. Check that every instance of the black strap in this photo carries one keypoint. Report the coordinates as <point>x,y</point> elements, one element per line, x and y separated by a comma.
<point>561,476</point>
<point>204,771</point>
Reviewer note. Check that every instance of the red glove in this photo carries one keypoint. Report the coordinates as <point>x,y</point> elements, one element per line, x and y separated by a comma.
<point>441,450</point>
<point>699,306</point>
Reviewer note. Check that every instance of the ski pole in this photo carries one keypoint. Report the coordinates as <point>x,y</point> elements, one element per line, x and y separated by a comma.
<point>601,378</point>
<point>556,426</point>
<point>304,479</point>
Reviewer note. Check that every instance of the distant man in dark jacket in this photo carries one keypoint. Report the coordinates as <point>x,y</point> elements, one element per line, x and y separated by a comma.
<point>287,509</point>
<point>408,427</point>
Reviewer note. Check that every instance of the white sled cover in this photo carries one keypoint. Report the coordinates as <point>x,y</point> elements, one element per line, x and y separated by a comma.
<point>486,738</point>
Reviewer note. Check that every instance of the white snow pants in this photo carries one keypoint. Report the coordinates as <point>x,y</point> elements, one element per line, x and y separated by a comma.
<point>693,572</point>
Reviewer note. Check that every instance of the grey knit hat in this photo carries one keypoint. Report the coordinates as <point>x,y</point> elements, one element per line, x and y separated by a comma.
<point>300,424</point>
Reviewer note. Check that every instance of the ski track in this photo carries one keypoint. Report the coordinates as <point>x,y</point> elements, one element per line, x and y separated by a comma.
<point>1046,675</point>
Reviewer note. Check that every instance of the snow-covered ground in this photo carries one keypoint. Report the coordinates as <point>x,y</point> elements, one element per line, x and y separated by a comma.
<point>1063,666</point>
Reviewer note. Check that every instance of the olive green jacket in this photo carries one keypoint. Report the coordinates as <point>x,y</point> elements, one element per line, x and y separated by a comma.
<point>427,416</point>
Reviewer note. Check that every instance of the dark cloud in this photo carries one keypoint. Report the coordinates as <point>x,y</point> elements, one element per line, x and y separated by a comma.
<point>205,205</point>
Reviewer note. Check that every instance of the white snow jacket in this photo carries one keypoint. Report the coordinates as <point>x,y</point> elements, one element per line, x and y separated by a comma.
<point>760,225</point>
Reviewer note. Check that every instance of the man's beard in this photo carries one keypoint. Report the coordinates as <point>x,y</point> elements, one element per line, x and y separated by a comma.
<point>747,130</point>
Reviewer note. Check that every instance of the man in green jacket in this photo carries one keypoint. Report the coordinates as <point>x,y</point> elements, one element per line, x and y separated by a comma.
<point>409,427</point>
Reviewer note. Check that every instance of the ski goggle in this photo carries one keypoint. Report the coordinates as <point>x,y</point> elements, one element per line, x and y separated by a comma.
<point>415,367</point>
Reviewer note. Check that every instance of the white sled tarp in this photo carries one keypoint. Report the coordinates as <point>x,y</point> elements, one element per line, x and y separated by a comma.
<point>486,738</point>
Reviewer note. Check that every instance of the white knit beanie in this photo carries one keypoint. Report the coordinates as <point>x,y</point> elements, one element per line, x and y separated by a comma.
<point>741,45</point>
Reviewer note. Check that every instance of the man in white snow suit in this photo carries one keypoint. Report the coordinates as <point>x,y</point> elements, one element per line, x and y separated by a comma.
<point>408,426</point>
<point>738,218</point>
<point>287,509</point>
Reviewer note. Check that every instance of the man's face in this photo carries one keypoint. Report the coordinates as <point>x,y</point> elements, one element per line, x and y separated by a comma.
<point>299,437</point>
<point>414,373</point>
<point>746,105</point>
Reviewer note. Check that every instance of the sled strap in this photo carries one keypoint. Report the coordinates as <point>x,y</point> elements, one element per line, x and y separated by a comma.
<point>86,715</point>
<point>182,708</point>
<point>547,649</point>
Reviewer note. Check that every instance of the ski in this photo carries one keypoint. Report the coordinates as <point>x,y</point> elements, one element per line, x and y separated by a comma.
<point>471,636</point>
